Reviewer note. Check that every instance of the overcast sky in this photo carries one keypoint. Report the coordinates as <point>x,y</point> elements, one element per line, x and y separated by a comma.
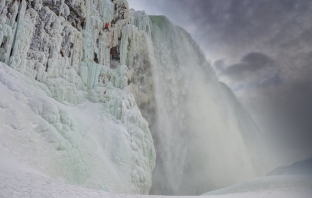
<point>263,50</point>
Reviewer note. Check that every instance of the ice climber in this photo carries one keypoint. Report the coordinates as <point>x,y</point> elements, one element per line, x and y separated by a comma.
<point>106,26</point>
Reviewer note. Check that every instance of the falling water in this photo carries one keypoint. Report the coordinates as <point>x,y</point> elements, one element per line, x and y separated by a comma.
<point>202,135</point>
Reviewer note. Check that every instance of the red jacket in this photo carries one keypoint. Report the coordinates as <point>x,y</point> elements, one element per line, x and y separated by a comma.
<point>106,25</point>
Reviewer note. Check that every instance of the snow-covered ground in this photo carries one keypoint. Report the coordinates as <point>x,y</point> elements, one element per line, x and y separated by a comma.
<point>290,185</point>
<point>18,180</point>
<point>303,167</point>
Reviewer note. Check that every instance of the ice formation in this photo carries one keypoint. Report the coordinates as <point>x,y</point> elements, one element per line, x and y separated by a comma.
<point>95,135</point>
<point>86,84</point>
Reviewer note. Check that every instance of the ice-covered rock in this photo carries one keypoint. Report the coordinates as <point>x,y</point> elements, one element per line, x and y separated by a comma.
<point>70,112</point>
<point>104,145</point>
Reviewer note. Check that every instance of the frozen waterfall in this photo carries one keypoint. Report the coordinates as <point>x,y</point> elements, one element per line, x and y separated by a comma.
<point>85,86</point>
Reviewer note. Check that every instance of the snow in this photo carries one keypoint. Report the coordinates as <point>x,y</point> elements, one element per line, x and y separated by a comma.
<point>18,180</point>
<point>303,167</point>
<point>286,184</point>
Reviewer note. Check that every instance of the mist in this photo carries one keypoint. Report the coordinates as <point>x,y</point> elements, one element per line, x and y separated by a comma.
<point>204,138</point>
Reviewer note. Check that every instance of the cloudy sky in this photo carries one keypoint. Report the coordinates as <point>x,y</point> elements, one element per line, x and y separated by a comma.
<point>263,50</point>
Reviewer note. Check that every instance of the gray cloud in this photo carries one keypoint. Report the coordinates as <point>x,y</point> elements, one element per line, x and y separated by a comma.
<point>219,65</point>
<point>254,70</point>
<point>249,63</point>
<point>231,28</point>
<point>278,93</point>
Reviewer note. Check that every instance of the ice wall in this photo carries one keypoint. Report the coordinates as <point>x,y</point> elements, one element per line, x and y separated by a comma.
<point>68,108</point>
